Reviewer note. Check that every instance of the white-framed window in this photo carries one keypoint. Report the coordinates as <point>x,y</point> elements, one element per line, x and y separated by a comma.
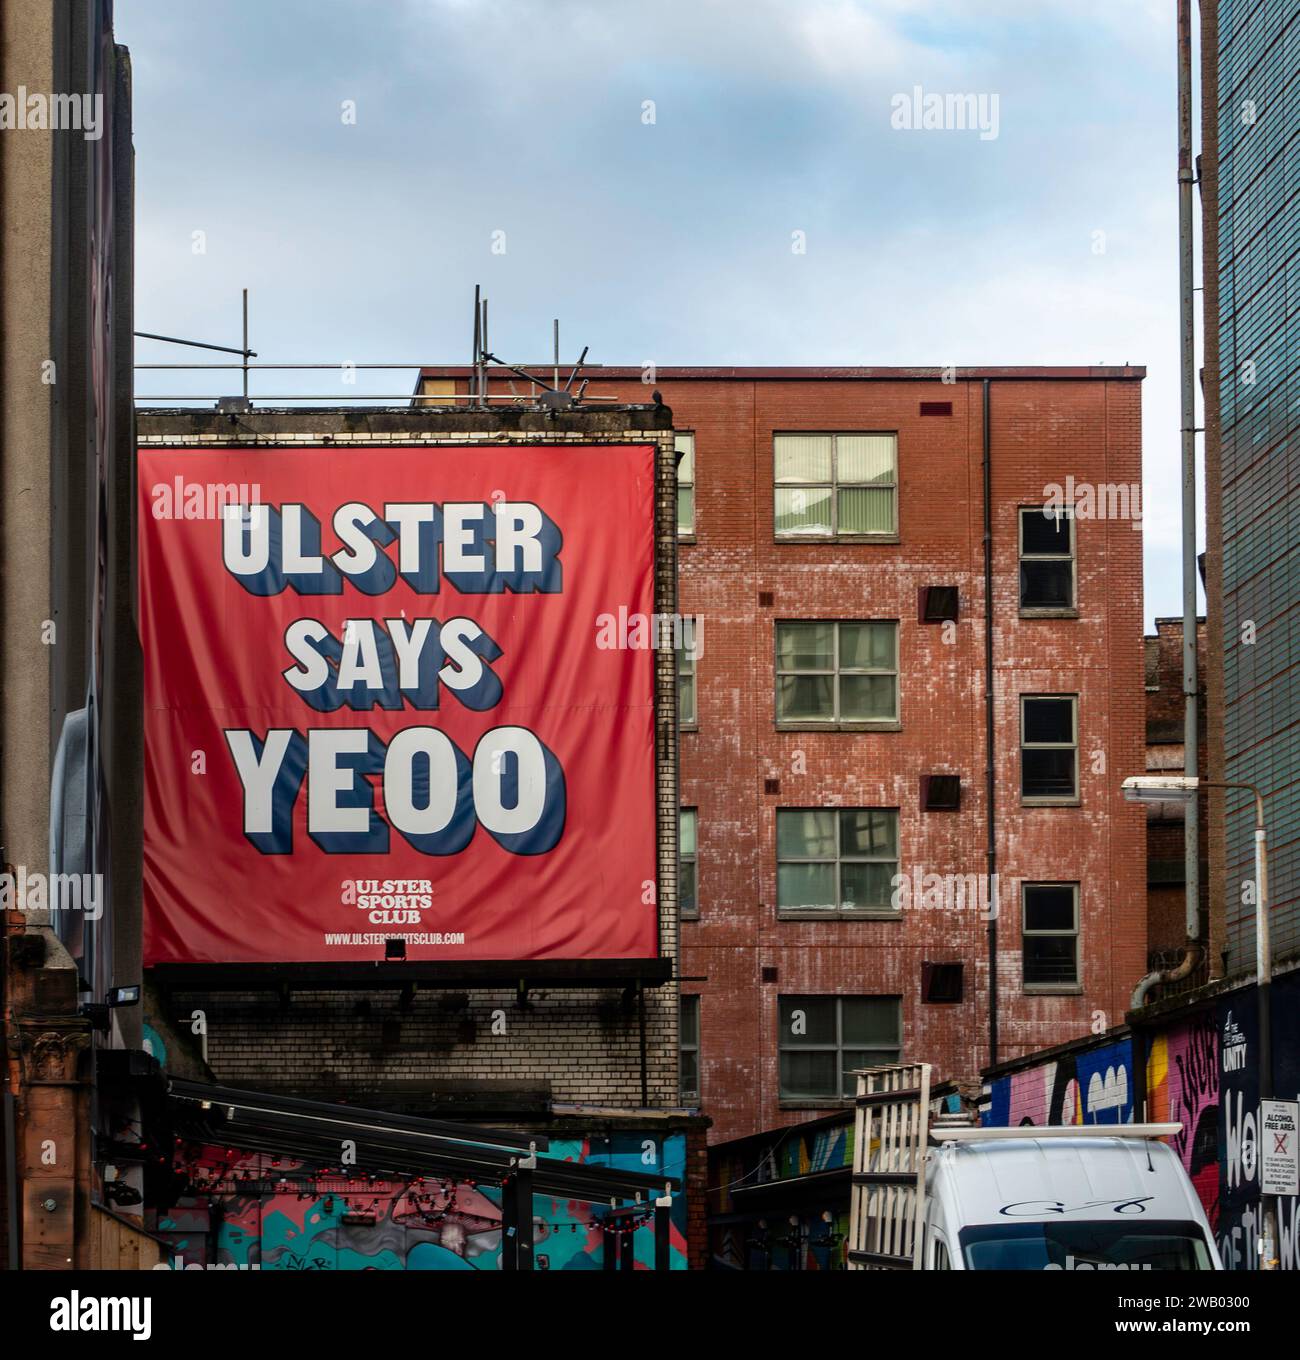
<point>686,484</point>
<point>837,672</point>
<point>1049,748</point>
<point>836,860</point>
<point>688,1041</point>
<point>822,1040</point>
<point>1050,934</point>
<point>835,485</point>
<point>687,715</point>
<point>687,866</point>
<point>1047,570</point>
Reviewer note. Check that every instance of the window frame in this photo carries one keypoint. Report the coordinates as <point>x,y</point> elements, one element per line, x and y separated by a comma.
<point>788,1101</point>
<point>1048,611</point>
<point>1067,988</point>
<point>836,723</point>
<point>694,1002</point>
<point>839,912</point>
<point>691,913</point>
<point>1054,799</point>
<point>687,535</point>
<point>890,535</point>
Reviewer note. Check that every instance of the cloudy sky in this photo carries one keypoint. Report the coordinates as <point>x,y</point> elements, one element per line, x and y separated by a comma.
<point>666,241</point>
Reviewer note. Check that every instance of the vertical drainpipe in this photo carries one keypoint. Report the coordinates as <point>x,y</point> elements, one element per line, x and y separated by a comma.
<point>1187,399</point>
<point>989,774</point>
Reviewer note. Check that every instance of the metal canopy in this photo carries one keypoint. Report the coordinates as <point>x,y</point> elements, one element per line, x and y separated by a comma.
<point>400,1144</point>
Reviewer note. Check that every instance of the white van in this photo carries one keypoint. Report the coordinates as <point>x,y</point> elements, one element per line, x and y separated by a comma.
<point>1061,1199</point>
<point>931,1191</point>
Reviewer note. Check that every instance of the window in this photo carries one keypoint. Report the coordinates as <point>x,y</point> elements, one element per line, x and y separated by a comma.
<point>1049,740</point>
<point>688,1031</point>
<point>686,484</point>
<point>824,1039</point>
<point>1051,934</point>
<point>835,484</point>
<point>1046,559</point>
<point>686,714</point>
<point>837,672</point>
<point>687,902</point>
<point>940,1254</point>
<point>836,859</point>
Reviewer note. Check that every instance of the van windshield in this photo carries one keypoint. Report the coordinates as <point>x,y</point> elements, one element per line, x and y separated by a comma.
<point>1105,1245</point>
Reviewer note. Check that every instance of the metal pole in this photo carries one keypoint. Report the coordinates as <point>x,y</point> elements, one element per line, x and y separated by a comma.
<point>1187,393</point>
<point>663,1223</point>
<point>555,333</point>
<point>1264,986</point>
<point>510,1221</point>
<point>245,344</point>
<point>990,771</point>
<point>523,1181</point>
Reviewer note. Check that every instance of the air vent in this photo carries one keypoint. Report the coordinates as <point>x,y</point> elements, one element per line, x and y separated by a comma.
<point>941,984</point>
<point>937,604</point>
<point>940,792</point>
<point>936,408</point>
<point>769,975</point>
<point>765,599</point>
<point>771,786</point>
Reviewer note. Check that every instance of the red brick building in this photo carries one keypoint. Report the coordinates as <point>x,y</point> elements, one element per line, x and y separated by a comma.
<point>836,783</point>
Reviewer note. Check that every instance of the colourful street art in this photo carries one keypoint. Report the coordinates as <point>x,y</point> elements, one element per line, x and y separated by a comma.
<point>1183,1088</point>
<point>251,1211</point>
<point>1094,1086</point>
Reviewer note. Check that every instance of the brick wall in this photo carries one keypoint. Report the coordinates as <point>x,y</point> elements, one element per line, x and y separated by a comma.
<point>579,1046</point>
<point>1044,428</point>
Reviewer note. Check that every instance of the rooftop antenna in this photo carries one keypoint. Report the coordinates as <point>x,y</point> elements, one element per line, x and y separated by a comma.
<point>551,396</point>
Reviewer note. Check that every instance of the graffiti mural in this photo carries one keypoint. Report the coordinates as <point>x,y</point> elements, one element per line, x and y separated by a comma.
<point>1183,1088</point>
<point>1094,1086</point>
<point>247,1210</point>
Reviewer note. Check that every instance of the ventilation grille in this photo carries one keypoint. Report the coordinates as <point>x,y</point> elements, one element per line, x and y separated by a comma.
<point>940,792</point>
<point>937,604</point>
<point>941,983</point>
<point>936,408</point>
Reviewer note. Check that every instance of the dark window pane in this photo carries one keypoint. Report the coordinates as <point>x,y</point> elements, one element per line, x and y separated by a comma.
<point>1049,908</point>
<point>807,1020</point>
<point>869,831</point>
<point>1050,958</point>
<point>805,833</point>
<point>686,698</point>
<point>870,1020</point>
<point>867,887</point>
<point>805,885</point>
<point>1041,533</point>
<point>1046,585</point>
<point>1049,720</point>
<point>690,1020</point>
<point>690,1073</point>
<point>805,698</point>
<point>1047,773</point>
<point>867,697</point>
<point>810,1076</point>
<point>686,886</point>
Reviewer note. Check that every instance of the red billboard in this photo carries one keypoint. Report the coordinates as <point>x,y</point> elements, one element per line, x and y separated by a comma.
<point>383,698</point>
